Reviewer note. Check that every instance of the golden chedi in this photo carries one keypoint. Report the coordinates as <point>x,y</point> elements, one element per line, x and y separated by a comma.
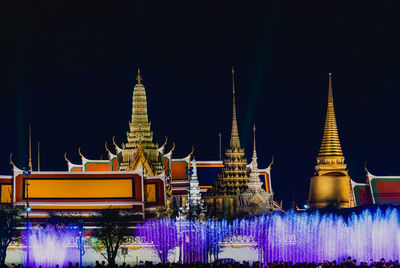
<point>330,186</point>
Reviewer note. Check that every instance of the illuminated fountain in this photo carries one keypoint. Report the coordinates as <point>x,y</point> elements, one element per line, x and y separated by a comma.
<point>297,237</point>
<point>304,237</point>
<point>50,246</point>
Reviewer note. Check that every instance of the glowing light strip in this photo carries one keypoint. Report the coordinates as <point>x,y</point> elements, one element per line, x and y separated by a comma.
<point>209,165</point>
<point>57,204</point>
<point>209,162</point>
<point>84,172</point>
<point>179,181</point>
<point>151,209</point>
<point>180,188</point>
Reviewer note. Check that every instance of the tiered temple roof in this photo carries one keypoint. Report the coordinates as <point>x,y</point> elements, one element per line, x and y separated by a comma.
<point>256,199</point>
<point>232,178</point>
<point>139,136</point>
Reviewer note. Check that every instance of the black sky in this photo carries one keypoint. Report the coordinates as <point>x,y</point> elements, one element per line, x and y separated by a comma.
<point>69,70</point>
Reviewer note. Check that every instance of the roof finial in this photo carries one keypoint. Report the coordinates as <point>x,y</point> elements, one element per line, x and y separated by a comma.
<point>11,161</point>
<point>272,161</point>
<point>330,93</point>
<point>233,83</point>
<point>235,142</point>
<point>165,143</point>
<point>254,160</point>
<point>38,149</point>
<point>105,145</point>
<point>192,151</point>
<point>365,167</point>
<point>30,149</point>
<point>254,138</point>
<point>65,157</point>
<point>139,77</point>
<point>173,147</point>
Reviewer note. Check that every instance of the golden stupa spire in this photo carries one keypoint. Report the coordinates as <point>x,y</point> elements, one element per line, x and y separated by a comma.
<point>235,142</point>
<point>139,77</point>
<point>330,151</point>
<point>331,183</point>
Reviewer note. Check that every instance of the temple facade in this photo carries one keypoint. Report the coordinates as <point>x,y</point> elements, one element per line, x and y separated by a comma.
<point>331,184</point>
<point>140,176</point>
<point>225,197</point>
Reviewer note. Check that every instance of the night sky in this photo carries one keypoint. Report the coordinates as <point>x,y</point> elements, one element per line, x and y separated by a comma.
<point>69,71</point>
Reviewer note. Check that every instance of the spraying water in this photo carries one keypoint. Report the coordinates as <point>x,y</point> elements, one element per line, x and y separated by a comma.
<point>50,246</point>
<point>297,237</point>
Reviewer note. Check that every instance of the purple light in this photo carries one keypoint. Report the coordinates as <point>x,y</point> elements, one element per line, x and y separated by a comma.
<point>49,246</point>
<point>296,237</point>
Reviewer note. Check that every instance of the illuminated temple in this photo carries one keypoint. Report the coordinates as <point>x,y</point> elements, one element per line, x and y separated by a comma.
<point>331,183</point>
<point>139,176</point>
<point>226,195</point>
<point>142,178</point>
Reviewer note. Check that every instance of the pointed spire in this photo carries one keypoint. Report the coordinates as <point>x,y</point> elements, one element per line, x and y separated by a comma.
<point>30,149</point>
<point>254,160</point>
<point>254,184</point>
<point>235,141</point>
<point>38,148</point>
<point>331,150</point>
<point>139,77</point>
<point>330,94</point>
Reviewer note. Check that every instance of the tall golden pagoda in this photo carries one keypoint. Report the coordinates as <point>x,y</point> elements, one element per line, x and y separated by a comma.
<point>331,183</point>
<point>140,149</point>
<point>233,177</point>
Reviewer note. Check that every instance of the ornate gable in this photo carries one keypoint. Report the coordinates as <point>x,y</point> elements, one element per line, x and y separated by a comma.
<point>140,159</point>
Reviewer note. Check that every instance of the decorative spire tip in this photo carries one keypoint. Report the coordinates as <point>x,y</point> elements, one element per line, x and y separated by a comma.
<point>254,141</point>
<point>233,83</point>
<point>139,77</point>
<point>30,149</point>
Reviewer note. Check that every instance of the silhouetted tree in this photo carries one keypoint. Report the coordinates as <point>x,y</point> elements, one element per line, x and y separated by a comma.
<point>111,234</point>
<point>9,219</point>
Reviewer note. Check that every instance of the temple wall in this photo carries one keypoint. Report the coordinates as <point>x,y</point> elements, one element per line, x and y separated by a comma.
<point>137,254</point>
